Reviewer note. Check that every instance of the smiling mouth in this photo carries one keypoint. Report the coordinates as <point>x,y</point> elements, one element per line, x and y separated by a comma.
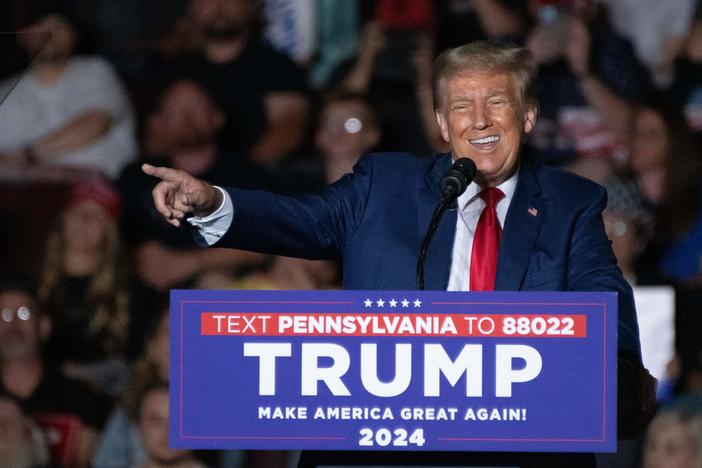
<point>485,141</point>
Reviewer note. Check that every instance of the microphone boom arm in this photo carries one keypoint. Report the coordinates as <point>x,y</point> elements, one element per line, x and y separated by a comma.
<point>433,225</point>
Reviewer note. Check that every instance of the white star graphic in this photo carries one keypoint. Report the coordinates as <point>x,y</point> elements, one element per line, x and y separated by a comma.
<point>405,303</point>
<point>417,303</point>
<point>368,302</point>
<point>393,302</point>
<point>380,303</point>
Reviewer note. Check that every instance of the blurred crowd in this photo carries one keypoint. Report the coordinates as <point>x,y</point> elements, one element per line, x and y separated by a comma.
<point>286,95</point>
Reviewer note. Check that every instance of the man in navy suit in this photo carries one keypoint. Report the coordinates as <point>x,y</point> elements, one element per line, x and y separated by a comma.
<point>552,238</point>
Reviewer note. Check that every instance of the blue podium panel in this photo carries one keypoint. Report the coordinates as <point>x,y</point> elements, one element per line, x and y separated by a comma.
<point>393,370</point>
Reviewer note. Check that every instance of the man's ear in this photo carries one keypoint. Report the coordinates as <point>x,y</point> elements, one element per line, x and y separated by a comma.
<point>443,125</point>
<point>530,119</point>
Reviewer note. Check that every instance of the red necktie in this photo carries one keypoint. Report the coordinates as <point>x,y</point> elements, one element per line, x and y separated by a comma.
<point>486,243</point>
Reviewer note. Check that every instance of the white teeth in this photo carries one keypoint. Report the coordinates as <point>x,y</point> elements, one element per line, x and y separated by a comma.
<point>485,140</point>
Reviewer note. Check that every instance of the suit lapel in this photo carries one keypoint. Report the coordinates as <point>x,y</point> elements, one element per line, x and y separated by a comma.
<point>522,225</point>
<point>438,261</point>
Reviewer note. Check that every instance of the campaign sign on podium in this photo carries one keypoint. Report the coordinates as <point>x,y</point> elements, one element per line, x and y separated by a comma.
<point>393,370</point>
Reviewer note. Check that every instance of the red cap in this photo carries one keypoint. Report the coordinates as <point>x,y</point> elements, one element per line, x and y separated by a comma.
<point>97,189</point>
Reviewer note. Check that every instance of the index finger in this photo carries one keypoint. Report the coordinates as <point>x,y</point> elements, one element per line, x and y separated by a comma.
<point>163,173</point>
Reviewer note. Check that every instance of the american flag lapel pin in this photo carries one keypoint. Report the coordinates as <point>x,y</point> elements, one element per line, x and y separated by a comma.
<point>533,211</point>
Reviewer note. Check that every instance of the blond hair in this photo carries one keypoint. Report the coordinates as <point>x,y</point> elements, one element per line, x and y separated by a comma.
<point>490,58</point>
<point>107,296</point>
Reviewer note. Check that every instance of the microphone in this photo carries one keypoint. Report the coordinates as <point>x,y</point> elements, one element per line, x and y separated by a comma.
<point>457,179</point>
<point>452,185</point>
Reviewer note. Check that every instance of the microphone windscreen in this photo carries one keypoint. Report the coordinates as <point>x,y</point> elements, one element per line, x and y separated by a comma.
<point>467,167</point>
<point>457,179</point>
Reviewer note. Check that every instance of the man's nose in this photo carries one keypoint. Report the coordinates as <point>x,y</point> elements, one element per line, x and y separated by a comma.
<point>481,118</point>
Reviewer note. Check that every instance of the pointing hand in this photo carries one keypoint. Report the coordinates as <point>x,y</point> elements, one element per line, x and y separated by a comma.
<point>180,194</point>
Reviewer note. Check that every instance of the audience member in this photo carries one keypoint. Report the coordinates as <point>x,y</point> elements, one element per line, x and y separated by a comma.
<point>393,68</point>
<point>403,26</point>
<point>337,32</point>
<point>674,437</point>
<point>665,160</point>
<point>128,25</point>
<point>588,82</point>
<point>279,273</point>
<point>150,414</point>
<point>22,444</point>
<point>184,129</point>
<point>85,288</point>
<point>656,29</point>
<point>261,91</point>
<point>290,27</point>
<point>120,445</point>
<point>686,88</point>
<point>69,111</point>
<point>70,413</point>
<point>627,224</point>
<point>627,221</point>
<point>462,21</point>
<point>348,128</point>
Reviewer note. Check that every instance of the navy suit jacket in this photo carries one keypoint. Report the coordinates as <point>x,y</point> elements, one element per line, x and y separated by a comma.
<point>375,219</point>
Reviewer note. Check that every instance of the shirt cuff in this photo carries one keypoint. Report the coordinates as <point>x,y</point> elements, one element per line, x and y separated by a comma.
<point>209,229</point>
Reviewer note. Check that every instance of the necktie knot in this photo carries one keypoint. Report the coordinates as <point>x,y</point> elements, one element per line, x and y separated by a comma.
<point>491,196</point>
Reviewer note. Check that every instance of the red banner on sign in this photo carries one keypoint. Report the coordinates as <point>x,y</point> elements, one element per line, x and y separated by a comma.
<point>393,324</point>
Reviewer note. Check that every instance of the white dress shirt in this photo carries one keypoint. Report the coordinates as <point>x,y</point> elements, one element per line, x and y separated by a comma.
<point>211,228</point>
<point>470,206</point>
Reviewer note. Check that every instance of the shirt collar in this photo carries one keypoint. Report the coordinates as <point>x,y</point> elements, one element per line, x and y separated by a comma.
<point>471,194</point>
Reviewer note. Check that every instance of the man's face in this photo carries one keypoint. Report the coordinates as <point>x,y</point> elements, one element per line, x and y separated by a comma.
<point>187,118</point>
<point>20,334</point>
<point>185,128</point>
<point>481,117</point>
<point>52,38</point>
<point>153,429</point>
<point>346,130</point>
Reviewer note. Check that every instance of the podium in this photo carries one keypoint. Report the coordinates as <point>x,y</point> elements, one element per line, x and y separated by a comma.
<point>395,371</point>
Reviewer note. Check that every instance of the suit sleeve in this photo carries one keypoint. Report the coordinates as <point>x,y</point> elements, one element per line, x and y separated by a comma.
<point>313,226</point>
<point>593,267</point>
